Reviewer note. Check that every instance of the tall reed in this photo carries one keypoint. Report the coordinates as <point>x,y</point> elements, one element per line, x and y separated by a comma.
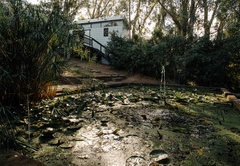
<point>32,42</point>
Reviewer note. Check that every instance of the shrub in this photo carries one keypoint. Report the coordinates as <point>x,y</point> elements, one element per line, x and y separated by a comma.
<point>31,41</point>
<point>197,60</point>
<point>214,63</point>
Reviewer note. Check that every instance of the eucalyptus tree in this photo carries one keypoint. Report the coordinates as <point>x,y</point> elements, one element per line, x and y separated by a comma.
<point>138,14</point>
<point>229,18</point>
<point>182,13</point>
<point>99,8</point>
<point>144,9</point>
<point>69,7</point>
<point>159,16</point>
<point>209,5</point>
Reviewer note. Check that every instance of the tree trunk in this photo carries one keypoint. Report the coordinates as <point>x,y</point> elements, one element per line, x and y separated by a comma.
<point>205,25</point>
<point>163,16</point>
<point>192,17</point>
<point>145,19</point>
<point>129,17</point>
<point>98,9</point>
<point>184,16</point>
<point>172,14</point>
<point>136,18</point>
<point>208,24</point>
<point>220,30</point>
<point>104,9</point>
<point>93,13</point>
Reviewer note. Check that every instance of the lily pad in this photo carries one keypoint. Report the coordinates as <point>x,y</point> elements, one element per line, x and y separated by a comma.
<point>126,102</point>
<point>56,142</point>
<point>136,160</point>
<point>47,133</point>
<point>74,127</point>
<point>158,155</point>
<point>67,145</point>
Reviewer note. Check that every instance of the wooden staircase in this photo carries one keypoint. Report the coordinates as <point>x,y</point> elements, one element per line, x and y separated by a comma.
<point>94,47</point>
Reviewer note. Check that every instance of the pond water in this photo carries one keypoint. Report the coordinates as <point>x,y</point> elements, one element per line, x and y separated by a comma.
<point>135,125</point>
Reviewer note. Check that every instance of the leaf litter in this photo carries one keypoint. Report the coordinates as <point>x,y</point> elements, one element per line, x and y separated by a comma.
<point>136,125</point>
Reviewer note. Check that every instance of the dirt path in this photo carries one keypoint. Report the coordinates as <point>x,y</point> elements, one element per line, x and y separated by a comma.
<point>101,70</point>
<point>106,69</point>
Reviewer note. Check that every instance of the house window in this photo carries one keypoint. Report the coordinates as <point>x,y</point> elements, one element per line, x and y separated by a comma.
<point>105,32</point>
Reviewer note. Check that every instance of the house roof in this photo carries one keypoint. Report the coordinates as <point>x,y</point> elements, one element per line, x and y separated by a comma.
<point>101,19</point>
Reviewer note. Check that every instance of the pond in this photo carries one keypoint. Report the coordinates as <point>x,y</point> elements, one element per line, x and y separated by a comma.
<point>134,125</point>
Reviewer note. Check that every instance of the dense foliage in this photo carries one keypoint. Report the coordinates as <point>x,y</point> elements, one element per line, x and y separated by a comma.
<point>195,60</point>
<point>32,39</point>
<point>32,42</point>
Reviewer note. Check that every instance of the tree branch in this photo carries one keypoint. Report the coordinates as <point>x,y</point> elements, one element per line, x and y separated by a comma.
<point>93,13</point>
<point>98,9</point>
<point>144,21</point>
<point>105,7</point>
<point>172,16</point>
<point>136,18</point>
<point>214,12</point>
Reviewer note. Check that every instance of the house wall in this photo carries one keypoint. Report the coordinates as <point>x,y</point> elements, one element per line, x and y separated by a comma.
<point>97,30</point>
<point>98,34</point>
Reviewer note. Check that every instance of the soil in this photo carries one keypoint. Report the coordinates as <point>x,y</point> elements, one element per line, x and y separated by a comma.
<point>12,158</point>
<point>108,70</point>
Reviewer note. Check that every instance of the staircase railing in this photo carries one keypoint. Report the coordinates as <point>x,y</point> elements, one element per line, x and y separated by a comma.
<point>91,42</point>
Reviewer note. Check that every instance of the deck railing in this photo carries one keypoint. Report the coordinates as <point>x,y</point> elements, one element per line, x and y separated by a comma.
<point>91,42</point>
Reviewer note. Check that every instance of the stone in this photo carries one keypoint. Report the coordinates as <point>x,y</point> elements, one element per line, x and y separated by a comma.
<point>58,135</point>
<point>111,103</point>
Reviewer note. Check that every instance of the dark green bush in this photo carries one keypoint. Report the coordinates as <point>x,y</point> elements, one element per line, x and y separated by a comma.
<point>119,51</point>
<point>138,55</point>
<point>32,39</point>
<point>214,63</point>
<point>195,60</point>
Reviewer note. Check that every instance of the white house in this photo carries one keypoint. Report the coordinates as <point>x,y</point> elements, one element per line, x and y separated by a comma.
<point>99,29</point>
